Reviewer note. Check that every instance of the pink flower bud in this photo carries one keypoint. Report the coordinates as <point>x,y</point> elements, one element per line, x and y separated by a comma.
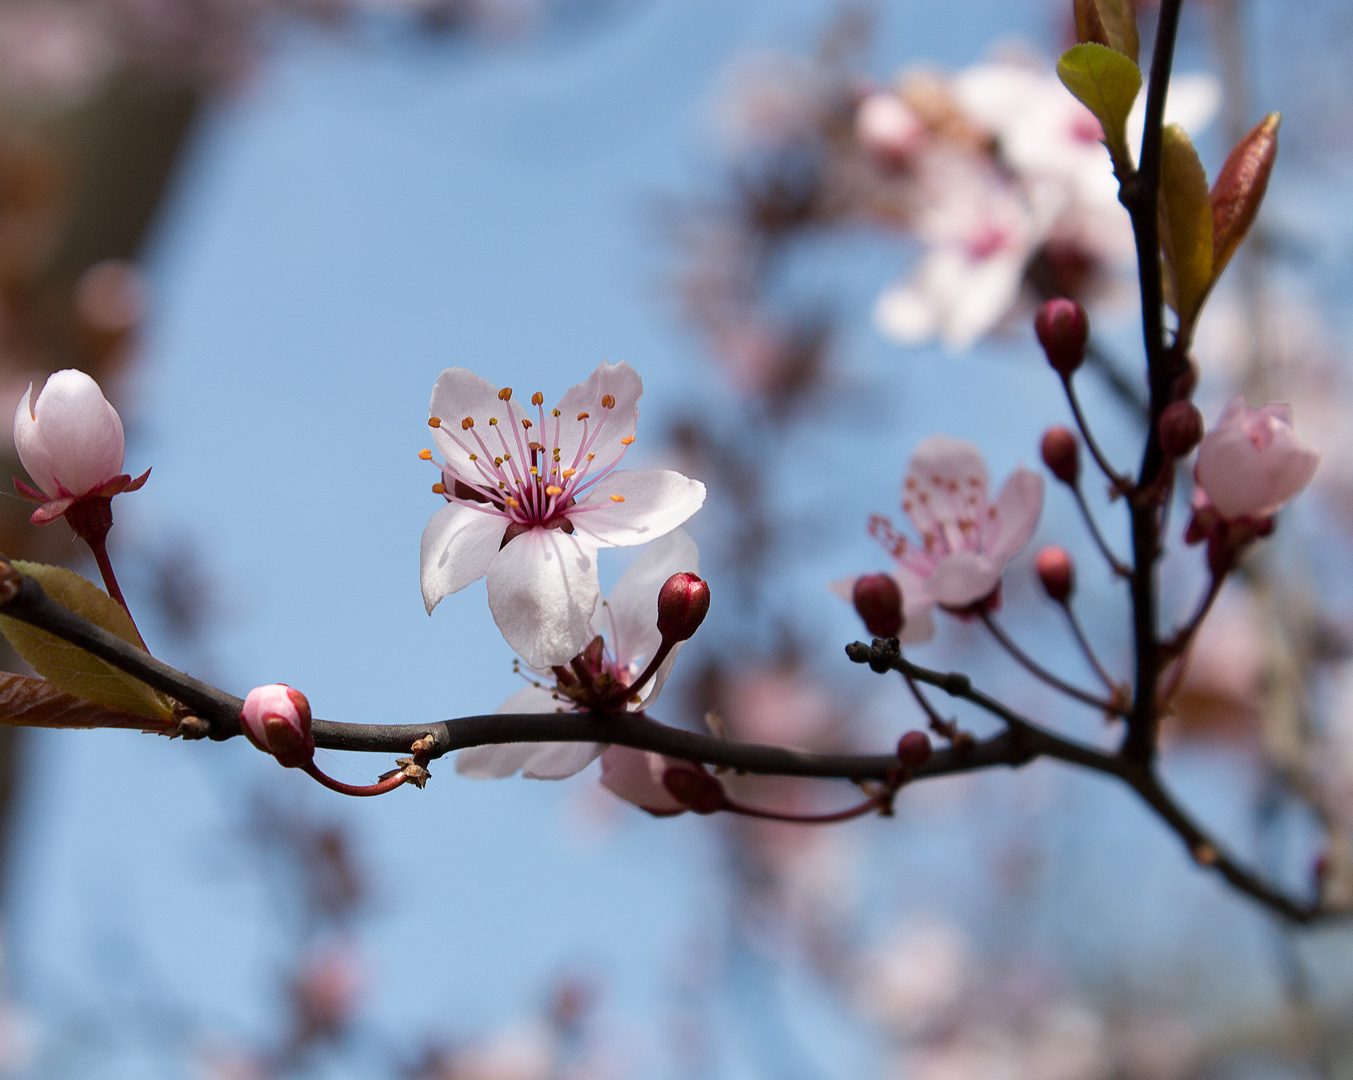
<point>887,127</point>
<point>694,788</point>
<point>1057,573</point>
<point>640,777</point>
<point>1251,462</point>
<point>878,599</point>
<point>71,440</point>
<point>914,749</point>
<point>276,719</point>
<point>1063,330</point>
<point>1061,453</point>
<point>1181,428</point>
<point>683,603</point>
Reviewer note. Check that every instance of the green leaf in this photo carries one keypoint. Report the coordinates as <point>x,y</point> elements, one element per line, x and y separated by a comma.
<point>69,667</point>
<point>1185,224</point>
<point>1106,82</point>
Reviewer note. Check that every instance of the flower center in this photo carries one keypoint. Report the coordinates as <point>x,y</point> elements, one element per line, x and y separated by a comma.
<point>521,471</point>
<point>951,514</point>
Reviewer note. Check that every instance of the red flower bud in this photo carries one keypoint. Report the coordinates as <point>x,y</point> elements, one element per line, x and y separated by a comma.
<point>1063,329</point>
<point>1181,428</point>
<point>276,719</point>
<point>878,599</point>
<point>1061,453</point>
<point>695,789</point>
<point>1057,573</point>
<point>683,603</point>
<point>913,749</point>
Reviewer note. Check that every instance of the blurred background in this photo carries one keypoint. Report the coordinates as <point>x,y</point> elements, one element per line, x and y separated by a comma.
<point>267,226</point>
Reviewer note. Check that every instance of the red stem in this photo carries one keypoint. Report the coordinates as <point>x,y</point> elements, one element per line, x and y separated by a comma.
<point>98,545</point>
<point>360,790</point>
<point>878,802</point>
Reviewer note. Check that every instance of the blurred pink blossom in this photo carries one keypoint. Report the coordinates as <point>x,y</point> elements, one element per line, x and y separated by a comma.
<point>1251,462</point>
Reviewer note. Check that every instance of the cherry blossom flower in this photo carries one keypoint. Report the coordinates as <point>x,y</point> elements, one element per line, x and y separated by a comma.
<point>624,639</point>
<point>72,445</point>
<point>531,497</point>
<point>966,539</point>
<point>1251,462</point>
<point>637,777</point>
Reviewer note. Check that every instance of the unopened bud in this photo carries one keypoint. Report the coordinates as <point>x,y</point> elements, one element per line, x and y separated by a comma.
<point>1240,188</point>
<point>913,749</point>
<point>276,719</point>
<point>1063,330</point>
<point>683,603</point>
<point>694,789</point>
<point>878,599</point>
<point>1057,573</point>
<point>1061,453</point>
<point>1181,428</point>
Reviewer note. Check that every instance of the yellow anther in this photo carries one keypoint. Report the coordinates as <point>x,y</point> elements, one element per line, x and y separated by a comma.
<point>505,394</point>
<point>497,461</point>
<point>434,421</point>
<point>617,498</point>
<point>493,420</point>
<point>467,423</point>
<point>569,474</point>
<point>607,401</point>
<point>556,453</point>
<point>511,501</point>
<point>555,412</point>
<point>526,423</point>
<point>439,489</point>
<point>507,457</point>
<point>426,455</point>
<point>583,415</point>
<point>474,457</point>
<point>537,398</point>
<point>627,440</point>
<point>535,472</point>
<point>502,485</point>
<point>591,456</point>
<point>552,490</point>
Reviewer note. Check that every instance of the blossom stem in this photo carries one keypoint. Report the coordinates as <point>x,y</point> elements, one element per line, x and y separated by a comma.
<point>652,669</point>
<point>1039,671</point>
<point>386,783</point>
<point>1078,632</point>
<point>938,724</point>
<point>877,802</point>
<point>99,546</point>
<point>1180,646</point>
<point>1120,483</point>
<point>1120,568</point>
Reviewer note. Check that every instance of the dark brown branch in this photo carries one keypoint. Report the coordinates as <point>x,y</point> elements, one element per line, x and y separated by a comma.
<point>1140,193</point>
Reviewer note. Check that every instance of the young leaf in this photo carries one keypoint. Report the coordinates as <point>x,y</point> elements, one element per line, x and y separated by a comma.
<point>29,702</point>
<point>1109,22</point>
<point>1240,189</point>
<point>1106,82</point>
<point>69,667</point>
<point>1185,224</point>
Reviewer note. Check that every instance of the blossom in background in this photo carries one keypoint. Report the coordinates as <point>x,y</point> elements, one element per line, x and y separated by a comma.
<point>966,539</point>
<point>1012,182</point>
<point>531,497</point>
<point>71,443</point>
<point>637,777</point>
<point>624,634</point>
<point>1251,462</point>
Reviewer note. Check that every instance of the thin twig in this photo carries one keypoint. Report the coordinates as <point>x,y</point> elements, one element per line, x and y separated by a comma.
<point>1078,632</point>
<point>1120,568</point>
<point>1040,672</point>
<point>1118,480</point>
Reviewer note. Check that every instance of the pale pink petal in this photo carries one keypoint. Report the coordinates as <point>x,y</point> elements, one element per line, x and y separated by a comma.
<point>619,422</point>
<point>987,292</point>
<point>629,615</point>
<point>654,688</point>
<point>949,459</point>
<point>81,431</point>
<point>920,625</point>
<point>460,393</point>
<point>542,590</point>
<point>1251,462</point>
<point>535,699</point>
<point>906,314</point>
<point>918,621</point>
<point>458,545</point>
<point>634,507</point>
<point>494,762</point>
<point>636,776</point>
<point>31,449</point>
<point>557,761</point>
<point>963,578</point>
<point>1017,511</point>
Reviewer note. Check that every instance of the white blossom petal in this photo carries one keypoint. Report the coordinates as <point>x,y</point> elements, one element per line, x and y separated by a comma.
<point>619,422</point>
<point>542,590</point>
<point>460,393</point>
<point>950,459</point>
<point>459,543</point>
<point>557,761</point>
<point>493,762</point>
<point>31,449</point>
<point>631,507</point>
<point>79,431</point>
<point>636,777</point>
